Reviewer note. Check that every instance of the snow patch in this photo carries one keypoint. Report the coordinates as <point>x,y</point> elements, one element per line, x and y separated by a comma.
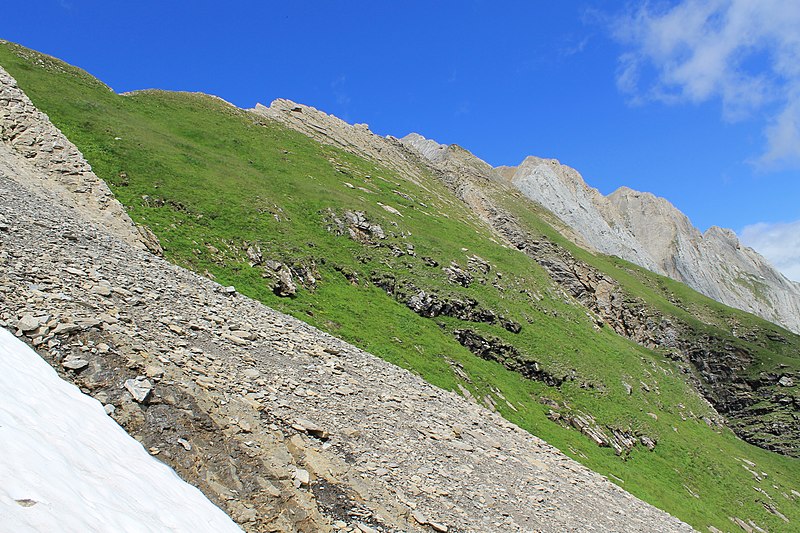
<point>66,466</point>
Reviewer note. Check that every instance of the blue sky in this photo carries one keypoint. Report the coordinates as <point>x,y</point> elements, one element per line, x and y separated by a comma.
<point>697,101</point>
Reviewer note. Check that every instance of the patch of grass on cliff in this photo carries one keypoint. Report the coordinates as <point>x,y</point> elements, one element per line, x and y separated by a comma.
<point>212,181</point>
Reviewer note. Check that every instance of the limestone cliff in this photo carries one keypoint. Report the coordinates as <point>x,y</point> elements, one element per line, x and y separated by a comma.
<point>562,191</point>
<point>714,263</point>
<point>654,234</point>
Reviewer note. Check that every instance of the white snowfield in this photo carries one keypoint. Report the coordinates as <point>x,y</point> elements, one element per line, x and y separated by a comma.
<point>66,466</point>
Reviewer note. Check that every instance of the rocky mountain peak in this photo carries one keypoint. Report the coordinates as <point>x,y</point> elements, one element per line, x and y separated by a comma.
<point>725,234</point>
<point>650,231</point>
<point>628,200</point>
<point>642,228</point>
<point>660,228</point>
<point>562,190</point>
<point>428,148</point>
<point>451,156</point>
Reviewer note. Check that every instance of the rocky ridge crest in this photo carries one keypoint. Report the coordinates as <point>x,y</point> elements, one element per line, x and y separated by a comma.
<point>652,233</point>
<point>721,368</point>
<point>354,138</point>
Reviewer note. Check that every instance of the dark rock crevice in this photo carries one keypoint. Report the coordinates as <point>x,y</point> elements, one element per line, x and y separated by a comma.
<point>494,349</point>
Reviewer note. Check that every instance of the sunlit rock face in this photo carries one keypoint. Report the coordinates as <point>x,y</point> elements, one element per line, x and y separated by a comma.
<point>651,232</point>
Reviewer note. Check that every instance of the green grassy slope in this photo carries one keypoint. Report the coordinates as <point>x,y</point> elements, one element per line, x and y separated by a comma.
<point>765,350</point>
<point>211,180</point>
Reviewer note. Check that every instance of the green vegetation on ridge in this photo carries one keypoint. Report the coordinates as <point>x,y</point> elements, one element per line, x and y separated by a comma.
<point>211,180</point>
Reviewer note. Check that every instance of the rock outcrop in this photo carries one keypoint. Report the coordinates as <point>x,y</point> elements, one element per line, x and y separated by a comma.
<point>654,234</point>
<point>564,193</point>
<point>44,156</point>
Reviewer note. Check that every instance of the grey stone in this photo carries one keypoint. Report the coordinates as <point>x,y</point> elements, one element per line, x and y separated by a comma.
<point>457,275</point>
<point>64,328</point>
<point>285,285</point>
<point>628,388</point>
<point>102,290</point>
<point>235,340</point>
<point>153,371</point>
<point>251,373</point>
<point>311,428</point>
<point>75,363</point>
<point>302,477</point>
<point>140,389</point>
<point>28,323</point>
<point>246,335</point>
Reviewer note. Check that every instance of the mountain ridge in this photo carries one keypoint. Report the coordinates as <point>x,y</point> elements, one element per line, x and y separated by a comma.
<point>406,270</point>
<point>470,179</point>
<point>607,225</point>
<point>650,231</point>
<point>722,370</point>
<point>249,404</point>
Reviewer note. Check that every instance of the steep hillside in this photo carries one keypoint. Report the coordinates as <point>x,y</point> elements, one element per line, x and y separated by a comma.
<point>283,426</point>
<point>360,236</point>
<point>652,233</point>
<point>740,379</point>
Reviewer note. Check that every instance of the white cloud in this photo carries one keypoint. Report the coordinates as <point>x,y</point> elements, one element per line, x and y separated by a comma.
<point>746,53</point>
<point>572,48</point>
<point>779,243</point>
<point>339,86</point>
<point>783,137</point>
